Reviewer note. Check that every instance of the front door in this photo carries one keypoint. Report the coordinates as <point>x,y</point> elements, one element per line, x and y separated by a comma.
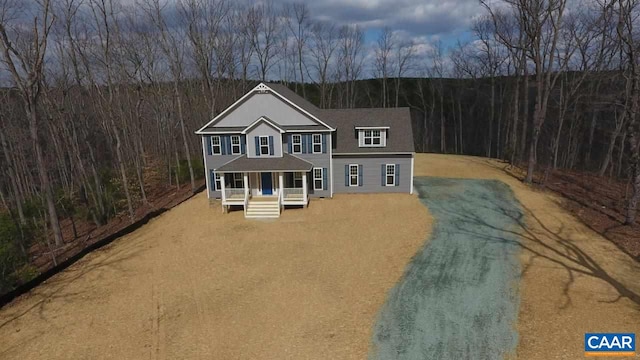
<point>267,183</point>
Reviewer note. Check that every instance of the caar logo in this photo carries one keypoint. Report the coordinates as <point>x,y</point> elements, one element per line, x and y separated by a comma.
<point>609,344</point>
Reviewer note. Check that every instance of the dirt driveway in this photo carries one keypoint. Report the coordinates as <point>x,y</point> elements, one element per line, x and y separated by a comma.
<point>196,284</point>
<point>573,280</point>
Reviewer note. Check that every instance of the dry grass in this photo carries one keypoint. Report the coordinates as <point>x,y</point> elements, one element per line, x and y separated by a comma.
<point>574,280</point>
<point>194,284</point>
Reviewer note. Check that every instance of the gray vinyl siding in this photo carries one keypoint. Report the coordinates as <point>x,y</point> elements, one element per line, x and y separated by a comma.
<point>267,105</point>
<point>264,130</point>
<point>318,160</point>
<point>212,162</point>
<point>371,173</point>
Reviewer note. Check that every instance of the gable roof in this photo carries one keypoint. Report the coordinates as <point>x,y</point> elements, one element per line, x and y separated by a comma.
<point>299,104</point>
<point>397,120</point>
<point>266,120</point>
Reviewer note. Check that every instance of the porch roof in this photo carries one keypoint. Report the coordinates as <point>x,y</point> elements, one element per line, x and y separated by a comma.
<point>263,164</point>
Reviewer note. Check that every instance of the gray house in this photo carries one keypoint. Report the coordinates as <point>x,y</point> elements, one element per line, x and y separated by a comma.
<point>272,149</point>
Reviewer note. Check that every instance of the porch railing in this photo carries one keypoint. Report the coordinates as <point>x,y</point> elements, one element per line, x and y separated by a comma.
<point>296,193</point>
<point>234,194</point>
<point>246,202</point>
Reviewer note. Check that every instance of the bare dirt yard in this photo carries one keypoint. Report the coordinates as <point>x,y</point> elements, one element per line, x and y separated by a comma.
<point>197,284</point>
<point>194,283</point>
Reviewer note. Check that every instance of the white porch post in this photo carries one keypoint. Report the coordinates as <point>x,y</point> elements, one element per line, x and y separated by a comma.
<point>246,184</point>
<point>304,187</point>
<point>281,184</point>
<point>223,194</point>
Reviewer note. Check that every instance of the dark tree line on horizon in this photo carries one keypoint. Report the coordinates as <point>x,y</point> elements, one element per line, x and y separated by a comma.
<point>103,96</point>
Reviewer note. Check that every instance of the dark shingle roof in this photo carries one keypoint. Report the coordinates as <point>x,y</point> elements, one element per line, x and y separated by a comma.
<point>296,99</point>
<point>399,137</point>
<point>285,163</point>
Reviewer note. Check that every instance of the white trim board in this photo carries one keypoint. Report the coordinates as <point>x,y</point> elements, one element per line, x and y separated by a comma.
<point>261,88</point>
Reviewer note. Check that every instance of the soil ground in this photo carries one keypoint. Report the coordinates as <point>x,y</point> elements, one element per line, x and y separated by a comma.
<point>197,284</point>
<point>194,283</point>
<point>573,279</point>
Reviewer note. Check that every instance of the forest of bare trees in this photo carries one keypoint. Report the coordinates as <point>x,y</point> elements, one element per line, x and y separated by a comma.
<point>100,98</point>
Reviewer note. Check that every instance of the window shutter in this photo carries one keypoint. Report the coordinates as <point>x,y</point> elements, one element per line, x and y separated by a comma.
<point>243,144</point>
<point>257,141</point>
<point>208,139</point>
<point>383,174</point>
<point>289,144</point>
<point>346,175</point>
<point>324,178</point>
<point>228,140</point>
<point>270,145</point>
<point>359,175</point>
<point>310,144</point>
<point>223,145</point>
<point>304,143</point>
<point>212,180</point>
<point>324,144</point>
<point>397,174</point>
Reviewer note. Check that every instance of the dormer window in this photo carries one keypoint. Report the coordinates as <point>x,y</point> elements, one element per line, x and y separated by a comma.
<point>372,137</point>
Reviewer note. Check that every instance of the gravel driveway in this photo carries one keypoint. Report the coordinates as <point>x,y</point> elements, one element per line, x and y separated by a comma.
<point>458,298</point>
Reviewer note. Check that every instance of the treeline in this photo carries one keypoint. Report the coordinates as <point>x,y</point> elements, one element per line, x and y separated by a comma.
<point>103,96</point>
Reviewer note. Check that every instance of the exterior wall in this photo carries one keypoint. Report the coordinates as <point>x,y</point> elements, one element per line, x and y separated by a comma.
<point>264,129</point>
<point>212,162</point>
<point>371,174</point>
<point>267,105</point>
<point>318,160</point>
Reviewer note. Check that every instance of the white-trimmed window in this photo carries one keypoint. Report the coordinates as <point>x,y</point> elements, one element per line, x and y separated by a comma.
<point>372,137</point>
<point>218,182</point>
<point>216,149</point>
<point>353,175</point>
<point>297,180</point>
<point>318,179</point>
<point>390,174</point>
<point>317,143</point>
<point>296,144</point>
<point>238,180</point>
<point>264,145</point>
<point>235,145</point>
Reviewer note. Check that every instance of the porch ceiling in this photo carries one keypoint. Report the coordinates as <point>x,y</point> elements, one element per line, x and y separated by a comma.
<point>262,164</point>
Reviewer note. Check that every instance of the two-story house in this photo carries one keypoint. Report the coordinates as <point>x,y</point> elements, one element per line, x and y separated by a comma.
<point>272,149</point>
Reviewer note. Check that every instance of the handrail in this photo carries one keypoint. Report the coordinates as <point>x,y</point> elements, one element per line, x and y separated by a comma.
<point>280,201</point>
<point>246,202</point>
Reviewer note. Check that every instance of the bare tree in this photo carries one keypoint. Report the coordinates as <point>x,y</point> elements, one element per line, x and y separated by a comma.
<point>384,61</point>
<point>24,52</point>
<point>298,21</point>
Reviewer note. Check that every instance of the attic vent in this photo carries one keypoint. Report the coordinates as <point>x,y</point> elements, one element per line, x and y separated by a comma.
<point>262,88</point>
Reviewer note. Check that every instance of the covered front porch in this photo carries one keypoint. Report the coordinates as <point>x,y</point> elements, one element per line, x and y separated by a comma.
<point>264,186</point>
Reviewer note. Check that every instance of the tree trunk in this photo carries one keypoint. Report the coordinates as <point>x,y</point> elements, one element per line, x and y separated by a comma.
<point>184,136</point>
<point>32,114</point>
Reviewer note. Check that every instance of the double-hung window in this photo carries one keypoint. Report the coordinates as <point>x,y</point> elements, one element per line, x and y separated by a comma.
<point>317,143</point>
<point>317,179</point>
<point>235,145</point>
<point>264,145</point>
<point>390,175</point>
<point>216,149</point>
<point>297,180</point>
<point>238,180</point>
<point>218,182</point>
<point>353,175</point>
<point>296,144</point>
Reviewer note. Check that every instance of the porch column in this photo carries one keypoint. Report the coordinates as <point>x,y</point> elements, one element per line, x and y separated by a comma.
<point>281,184</point>
<point>223,194</point>
<point>246,185</point>
<point>304,187</point>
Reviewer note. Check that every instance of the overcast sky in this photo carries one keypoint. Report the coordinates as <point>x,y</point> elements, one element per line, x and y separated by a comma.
<point>424,20</point>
